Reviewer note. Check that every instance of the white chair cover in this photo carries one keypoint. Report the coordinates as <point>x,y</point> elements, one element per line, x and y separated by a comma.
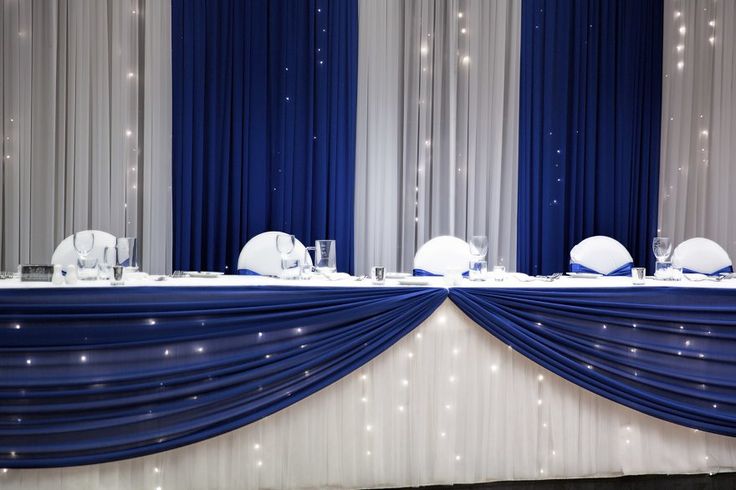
<point>441,254</point>
<point>261,257</point>
<point>66,255</point>
<point>601,254</point>
<point>701,255</point>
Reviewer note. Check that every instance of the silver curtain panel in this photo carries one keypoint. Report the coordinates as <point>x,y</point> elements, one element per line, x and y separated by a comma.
<point>437,128</point>
<point>698,170</point>
<point>86,104</point>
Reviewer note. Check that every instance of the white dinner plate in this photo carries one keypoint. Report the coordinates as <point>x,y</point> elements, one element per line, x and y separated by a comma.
<point>204,274</point>
<point>397,275</point>
<point>584,275</point>
<point>413,281</point>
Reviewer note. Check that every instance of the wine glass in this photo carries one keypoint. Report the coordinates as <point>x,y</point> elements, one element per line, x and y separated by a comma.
<point>478,246</point>
<point>84,242</point>
<point>662,247</point>
<point>285,244</point>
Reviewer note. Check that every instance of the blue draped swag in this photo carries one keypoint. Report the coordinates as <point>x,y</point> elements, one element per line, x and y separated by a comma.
<point>589,127</point>
<point>667,352</point>
<point>102,374</point>
<point>264,107</point>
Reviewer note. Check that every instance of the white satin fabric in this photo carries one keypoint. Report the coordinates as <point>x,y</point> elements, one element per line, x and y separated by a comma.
<point>700,255</point>
<point>600,253</point>
<point>447,404</point>
<point>86,126</point>
<point>697,171</point>
<point>437,127</point>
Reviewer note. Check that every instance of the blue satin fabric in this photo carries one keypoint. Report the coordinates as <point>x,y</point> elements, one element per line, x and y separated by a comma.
<point>423,273</point>
<point>667,352</point>
<point>624,270</point>
<point>264,107</point>
<point>100,374</point>
<point>589,127</point>
<point>247,272</point>
<point>725,270</point>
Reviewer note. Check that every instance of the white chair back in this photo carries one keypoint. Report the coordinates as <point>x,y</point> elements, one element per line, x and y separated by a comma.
<point>261,257</point>
<point>601,254</point>
<point>701,255</point>
<point>65,254</point>
<point>441,254</point>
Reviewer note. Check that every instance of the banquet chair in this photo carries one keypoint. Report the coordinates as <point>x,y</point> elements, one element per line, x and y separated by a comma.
<point>260,257</point>
<point>65,254</point>
<point>601,255</point>
<point>441,254</point>
<point>703,256</point>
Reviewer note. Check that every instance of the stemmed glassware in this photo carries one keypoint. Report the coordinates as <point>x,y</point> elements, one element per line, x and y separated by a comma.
<point>479,246</point>
<point>478,250</point>
<point>285,245</point>
<point>84,243</point>
<point>662,247</point>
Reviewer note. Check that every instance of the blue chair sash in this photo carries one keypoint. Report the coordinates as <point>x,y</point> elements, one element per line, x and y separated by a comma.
<point>726,270</point>
<point>624,270</point>
<point>423,273</point>
<point>247,272</point>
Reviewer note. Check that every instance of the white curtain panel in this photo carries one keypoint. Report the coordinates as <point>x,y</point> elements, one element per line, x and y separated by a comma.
<point>437,127</point>
<point>449,403</point>
<point>79,149</point>
<point>698,171</point>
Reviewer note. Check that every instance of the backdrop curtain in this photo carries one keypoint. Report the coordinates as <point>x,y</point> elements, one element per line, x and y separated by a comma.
<point>699,122</point>
<point>589,127</point>
<point>85,132</point>
<point>264,125</point>
<point>437,127</point>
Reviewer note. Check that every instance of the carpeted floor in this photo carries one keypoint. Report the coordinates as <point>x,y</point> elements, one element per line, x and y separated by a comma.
<point>646,482</point>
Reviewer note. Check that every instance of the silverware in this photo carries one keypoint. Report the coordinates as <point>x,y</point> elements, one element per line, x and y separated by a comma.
<point>549,278</point>
<point>706,278</point>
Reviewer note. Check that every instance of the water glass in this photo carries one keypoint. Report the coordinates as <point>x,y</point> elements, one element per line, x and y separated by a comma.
<point>290,267</point>
<point>325,256</point>
<point>378,274</point>
<point>127,256</point>
<point>637,275</point>
<point>478,270</point>
<point>308,262</point>
<point>109,259</point>
<point>499,273</point>
<point>117,275</point>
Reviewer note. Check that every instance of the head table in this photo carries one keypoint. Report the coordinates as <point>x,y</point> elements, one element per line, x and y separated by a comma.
<point>95,373</point>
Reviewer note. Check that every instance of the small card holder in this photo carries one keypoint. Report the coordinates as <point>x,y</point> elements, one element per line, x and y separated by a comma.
<point>36,273</point>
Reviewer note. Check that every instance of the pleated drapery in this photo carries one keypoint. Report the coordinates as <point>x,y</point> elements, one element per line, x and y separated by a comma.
<point>264,126</point>
<point>590,102</point>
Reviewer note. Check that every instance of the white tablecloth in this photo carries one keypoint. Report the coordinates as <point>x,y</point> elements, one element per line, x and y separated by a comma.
<point>447,404</point>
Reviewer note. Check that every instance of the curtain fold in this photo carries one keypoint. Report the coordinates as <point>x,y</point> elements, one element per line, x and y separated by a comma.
<point>667,352</point>
<point>264,126</point>
<point>590,101</point>
<point>73,124</point>
<point>90,376</point>
<point>437,127</point>
<point>697,176</point>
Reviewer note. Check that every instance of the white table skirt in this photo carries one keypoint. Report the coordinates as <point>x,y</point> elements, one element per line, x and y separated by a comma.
<point>447,404</point>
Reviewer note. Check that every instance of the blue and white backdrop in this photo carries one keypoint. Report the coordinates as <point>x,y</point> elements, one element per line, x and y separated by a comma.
<point>379,123</point>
